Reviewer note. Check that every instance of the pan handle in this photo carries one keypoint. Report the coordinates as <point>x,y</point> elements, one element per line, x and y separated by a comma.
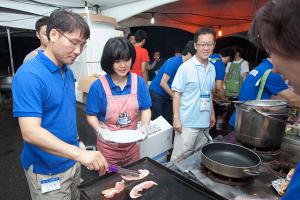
<point>274,118</point>
<point>251,172</point>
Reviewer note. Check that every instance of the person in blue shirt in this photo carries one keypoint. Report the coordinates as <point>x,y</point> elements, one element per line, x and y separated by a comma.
<point>274,85</point>
<point>160,87</point>
<point>219,60</point>
<point>118,101</point>
<point>275,31</point>
<point>45,104</point>
<point>192,99</point>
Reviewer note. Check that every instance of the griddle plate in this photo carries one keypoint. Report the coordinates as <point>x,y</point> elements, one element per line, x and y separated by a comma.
<point>171,185</point>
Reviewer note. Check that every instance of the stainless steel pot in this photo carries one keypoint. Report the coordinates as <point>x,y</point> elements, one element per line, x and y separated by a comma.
<point>290,148</point>
<point>5,83</point>
<point>261,123</point>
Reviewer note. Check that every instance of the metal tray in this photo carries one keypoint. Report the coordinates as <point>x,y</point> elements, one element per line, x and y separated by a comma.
<point>171,185</point>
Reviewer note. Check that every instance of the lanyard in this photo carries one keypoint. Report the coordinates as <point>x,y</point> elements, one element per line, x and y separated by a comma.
<point>263,81</point>
<point>204,78</point>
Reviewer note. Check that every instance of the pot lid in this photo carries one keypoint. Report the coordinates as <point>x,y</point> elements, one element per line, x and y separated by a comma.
<point>265,103</point>
<point>291,139</point>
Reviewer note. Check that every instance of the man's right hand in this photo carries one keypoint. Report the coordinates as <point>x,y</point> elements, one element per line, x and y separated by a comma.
<point>177,124</point>
<point>93,160</point>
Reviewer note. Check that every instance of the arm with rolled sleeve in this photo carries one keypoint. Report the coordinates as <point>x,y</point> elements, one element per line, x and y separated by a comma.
<point>169,71</point>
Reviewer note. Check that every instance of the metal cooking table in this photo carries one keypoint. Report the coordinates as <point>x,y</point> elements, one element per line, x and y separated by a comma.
<point>261,188</point>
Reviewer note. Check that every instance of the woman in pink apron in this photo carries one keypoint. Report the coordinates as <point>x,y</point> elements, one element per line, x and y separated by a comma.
<point>118,101</point>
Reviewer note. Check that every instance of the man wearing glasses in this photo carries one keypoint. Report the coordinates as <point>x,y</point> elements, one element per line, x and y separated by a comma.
<point>44,102</point>
<point>192,99</point>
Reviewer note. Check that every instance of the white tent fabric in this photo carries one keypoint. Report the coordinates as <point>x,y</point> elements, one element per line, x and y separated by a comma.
<point>24,13</point>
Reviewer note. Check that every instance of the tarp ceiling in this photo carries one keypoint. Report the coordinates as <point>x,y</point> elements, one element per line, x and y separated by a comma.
<point>232,16</point>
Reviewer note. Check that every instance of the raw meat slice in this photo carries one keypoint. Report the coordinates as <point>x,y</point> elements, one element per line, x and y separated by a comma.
<point>110,192</point>
<point>134,193</point>
<point>143,174</point>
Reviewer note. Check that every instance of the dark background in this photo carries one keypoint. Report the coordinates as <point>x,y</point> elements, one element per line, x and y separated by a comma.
<point>167,39</point>
<point>159,38</point>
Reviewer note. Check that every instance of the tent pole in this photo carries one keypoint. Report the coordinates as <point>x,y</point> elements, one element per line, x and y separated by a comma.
<point>10,52</point>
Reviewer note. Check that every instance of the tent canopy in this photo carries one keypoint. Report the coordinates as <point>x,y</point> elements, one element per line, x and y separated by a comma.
<point>231,16</point>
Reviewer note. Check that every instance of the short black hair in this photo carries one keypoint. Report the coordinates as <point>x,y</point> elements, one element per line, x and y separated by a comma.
<point>67,21</point>
<point>239,50</point>
<point>203,31</point>
<point>117,48</point>
<point>41,22</point>
<point>227,52</point>
<point>189,48</point>
<point>140,35</point>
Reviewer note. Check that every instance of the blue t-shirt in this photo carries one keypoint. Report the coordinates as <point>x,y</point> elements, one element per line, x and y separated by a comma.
<point>96,99</point>
<point>170,68</point>
<point>190,77</point>
<point>40,91</point>
<point>293,189</point>
<point>250,86</point>
<point>216,60</point>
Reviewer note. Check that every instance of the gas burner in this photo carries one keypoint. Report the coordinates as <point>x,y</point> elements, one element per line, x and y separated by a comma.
<point>273,151</point>
<point>226,180</point>
<point>279,169</point>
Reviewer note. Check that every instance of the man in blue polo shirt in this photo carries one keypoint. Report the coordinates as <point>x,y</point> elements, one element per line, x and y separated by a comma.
<point>44,102</point>
<point>160,88</point>
<point>273,85</point>
<point>219,60</point>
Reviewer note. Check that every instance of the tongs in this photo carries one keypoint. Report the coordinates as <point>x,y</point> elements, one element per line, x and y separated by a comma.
<point>123,171</point>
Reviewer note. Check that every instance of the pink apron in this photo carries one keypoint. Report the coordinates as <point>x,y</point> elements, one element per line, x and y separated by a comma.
<point>122,113</point>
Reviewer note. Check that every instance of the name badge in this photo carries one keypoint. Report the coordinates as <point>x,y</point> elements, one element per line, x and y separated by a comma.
<point>205,101</point>
<point>50,184</point>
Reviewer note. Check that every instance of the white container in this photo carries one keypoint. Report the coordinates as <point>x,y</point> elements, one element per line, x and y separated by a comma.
<point>159,140</point>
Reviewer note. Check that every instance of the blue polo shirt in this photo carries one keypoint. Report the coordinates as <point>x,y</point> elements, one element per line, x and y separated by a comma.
<point>250,86</point>
<point>96,103</point>
<point>216,60</point>
<point>39,90</point>
<point>170,68</point>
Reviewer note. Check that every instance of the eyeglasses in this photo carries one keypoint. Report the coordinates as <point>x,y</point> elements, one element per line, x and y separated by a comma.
<point>208,44</point>
<point>82,46</point>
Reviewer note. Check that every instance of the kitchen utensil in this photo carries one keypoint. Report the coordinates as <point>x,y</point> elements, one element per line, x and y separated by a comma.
<point>171,185</point>
<point>230,160</point>
<point>123,171</point>
<point>261,123</point>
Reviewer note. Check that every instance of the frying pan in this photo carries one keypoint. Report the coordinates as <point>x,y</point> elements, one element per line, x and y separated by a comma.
<point>230,160</point>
